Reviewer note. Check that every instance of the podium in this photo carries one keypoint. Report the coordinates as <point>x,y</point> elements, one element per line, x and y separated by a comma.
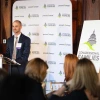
<point>8,61</point>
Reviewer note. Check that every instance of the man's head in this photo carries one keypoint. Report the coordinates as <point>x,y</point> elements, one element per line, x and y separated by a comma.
<point>16,27</point>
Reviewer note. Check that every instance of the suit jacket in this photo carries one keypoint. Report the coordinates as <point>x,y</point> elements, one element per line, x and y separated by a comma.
<point>22,53</point>
<point>74,95</point>
<point>21,88</point>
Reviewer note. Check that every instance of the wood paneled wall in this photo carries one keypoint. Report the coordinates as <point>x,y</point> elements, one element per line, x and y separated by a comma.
<point>5,22</point>
<point>91,10</point>
<point>77,14</point>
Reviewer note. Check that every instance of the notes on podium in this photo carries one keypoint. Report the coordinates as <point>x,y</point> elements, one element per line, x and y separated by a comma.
<point>0,62</point>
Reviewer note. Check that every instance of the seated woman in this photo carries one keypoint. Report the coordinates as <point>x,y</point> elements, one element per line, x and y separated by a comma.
<point>21,87</point>
<point>83,85</point>
<point>69,68</point>
<point>36,69</point>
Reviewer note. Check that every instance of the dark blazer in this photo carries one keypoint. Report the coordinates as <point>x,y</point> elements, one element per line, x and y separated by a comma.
<point>75,95</point>
<point>21,88</point>
<point>22,53</point>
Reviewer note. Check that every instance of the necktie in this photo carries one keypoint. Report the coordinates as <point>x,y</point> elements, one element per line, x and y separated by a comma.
<point>14,49</point>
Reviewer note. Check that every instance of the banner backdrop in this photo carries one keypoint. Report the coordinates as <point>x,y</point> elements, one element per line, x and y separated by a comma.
<point>49,25</point>
<point>89,42</point>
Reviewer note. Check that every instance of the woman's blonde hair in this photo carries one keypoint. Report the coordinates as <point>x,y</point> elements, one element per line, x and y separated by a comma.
<point>69,65</point>
<point>36,69</point>
<point>85,77</point>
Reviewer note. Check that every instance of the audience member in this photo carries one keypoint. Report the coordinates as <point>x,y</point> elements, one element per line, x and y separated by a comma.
<point>84,84</point>
<point>37,69</point>
<point>69,66</point>
<point>17,87</point>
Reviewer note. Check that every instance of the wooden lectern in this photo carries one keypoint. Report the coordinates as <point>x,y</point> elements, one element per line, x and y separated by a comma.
<point>8,61</point>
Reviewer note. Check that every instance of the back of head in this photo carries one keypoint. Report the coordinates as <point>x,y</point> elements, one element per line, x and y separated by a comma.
<point>85,77</point>
<point>20,87</point>
<point>69,65</point>
<point>36,69</point>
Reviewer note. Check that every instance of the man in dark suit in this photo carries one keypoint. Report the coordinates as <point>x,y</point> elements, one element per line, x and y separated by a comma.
<point>18,49</point>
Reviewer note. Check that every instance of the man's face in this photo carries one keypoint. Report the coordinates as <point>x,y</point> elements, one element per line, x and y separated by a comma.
<point>16,28</point>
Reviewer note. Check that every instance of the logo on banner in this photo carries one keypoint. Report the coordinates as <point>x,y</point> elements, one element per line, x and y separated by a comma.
<point>60,73</point>
<point>45,25</point>
<point>20,7</point>
<point>44,6</point>
<point>64,34</point>
<point>50,43</point>
<point>48,5</point>
<point>90,53</point>
<point>60,54</point>
<point>16,7</point>
<point>49,24</point>
<point>33,34</point>
<point>45,43</point>
<point>91,41</point>
<point>63,15</point>
<point>64,53</point>
<point>33,15</point>
<point>59,15</point>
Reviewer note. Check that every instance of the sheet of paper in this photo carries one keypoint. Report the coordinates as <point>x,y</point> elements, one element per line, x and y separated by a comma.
<point>0,62</point>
